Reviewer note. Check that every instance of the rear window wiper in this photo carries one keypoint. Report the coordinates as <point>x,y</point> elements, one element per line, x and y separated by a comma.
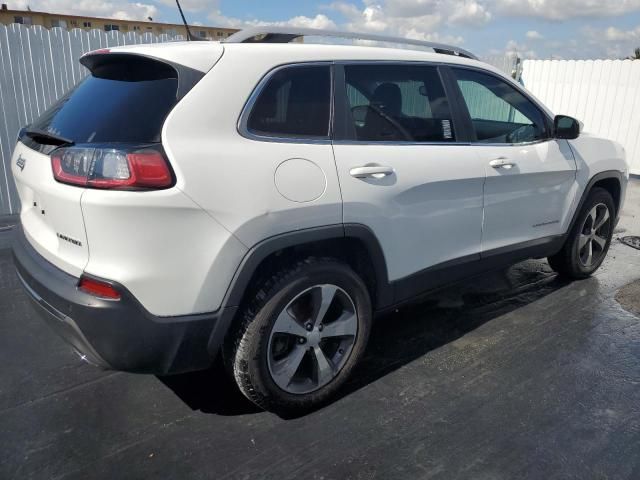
<point>47,138</point>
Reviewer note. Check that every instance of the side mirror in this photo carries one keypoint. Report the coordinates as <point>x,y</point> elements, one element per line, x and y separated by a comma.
<point>566,127</point>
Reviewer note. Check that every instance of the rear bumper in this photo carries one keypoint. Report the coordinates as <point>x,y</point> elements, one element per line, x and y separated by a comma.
<point>116,334</point>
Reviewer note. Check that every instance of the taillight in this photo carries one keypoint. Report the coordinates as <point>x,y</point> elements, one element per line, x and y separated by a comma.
<point>98,288</point>
<point>110,168</point>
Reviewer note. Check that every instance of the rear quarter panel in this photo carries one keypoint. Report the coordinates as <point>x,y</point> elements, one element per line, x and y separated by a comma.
<point>169,253</point>
<point>233,177</point>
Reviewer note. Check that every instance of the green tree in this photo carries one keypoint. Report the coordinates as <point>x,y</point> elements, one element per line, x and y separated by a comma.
<point>636,54</point>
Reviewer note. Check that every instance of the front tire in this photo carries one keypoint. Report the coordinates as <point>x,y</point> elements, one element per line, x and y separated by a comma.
<point>300,339</point>
<point>588,243</point>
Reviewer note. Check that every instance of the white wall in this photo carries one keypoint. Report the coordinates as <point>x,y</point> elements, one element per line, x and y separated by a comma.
<point>603,94</point>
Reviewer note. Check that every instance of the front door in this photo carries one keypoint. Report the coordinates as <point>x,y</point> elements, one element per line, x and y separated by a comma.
<point>530,184</point>
<point>402,171</point>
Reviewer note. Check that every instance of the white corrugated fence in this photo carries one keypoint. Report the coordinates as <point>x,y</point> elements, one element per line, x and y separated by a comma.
<point>603,94</point>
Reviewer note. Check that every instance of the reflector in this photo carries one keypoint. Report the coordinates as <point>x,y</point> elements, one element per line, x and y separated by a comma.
<point>98,288</point>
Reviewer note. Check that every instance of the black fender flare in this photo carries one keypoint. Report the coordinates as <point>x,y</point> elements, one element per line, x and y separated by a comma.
<point>615,174</point>
<point>259,252</point>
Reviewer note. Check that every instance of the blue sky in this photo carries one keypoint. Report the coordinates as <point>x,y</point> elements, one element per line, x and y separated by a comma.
<point>533,28</point>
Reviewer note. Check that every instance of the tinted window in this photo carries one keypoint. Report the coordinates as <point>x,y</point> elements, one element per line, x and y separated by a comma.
<point>295,103</point>
<point>114,104</point>
<point>398,103</point>
<point>499,112</point>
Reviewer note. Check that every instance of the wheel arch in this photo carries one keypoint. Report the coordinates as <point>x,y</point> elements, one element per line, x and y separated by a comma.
<point>612,181</point>
<point>614,187</point>
<point>355,244</point>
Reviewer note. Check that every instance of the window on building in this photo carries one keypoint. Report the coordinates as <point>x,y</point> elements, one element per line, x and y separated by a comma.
<point>23,20</point>
<point>74,23</point>
<point>499,113</point>
<point>398,103</point>
<point>86,24</point>
<point>110,28</point>
<point>136,28</point>
<point>202,34</point>
<point>220,34</point>
<point>295,103</point>
<point>56,22</point>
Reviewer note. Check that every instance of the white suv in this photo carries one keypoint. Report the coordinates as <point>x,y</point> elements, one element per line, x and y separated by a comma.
<point>265,199</point>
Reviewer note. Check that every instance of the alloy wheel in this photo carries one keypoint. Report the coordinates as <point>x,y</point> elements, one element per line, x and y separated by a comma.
<point>312,339</point>
<point>594,235</point>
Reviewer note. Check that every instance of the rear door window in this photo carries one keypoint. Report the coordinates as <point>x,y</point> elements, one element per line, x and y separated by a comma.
<point>295,103</point>
<point>398,103</point>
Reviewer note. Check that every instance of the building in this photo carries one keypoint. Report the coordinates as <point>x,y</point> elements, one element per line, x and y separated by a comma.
<point>69,22</point>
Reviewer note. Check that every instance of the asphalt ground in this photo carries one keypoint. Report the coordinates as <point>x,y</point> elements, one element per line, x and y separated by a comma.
<point>514,374</point>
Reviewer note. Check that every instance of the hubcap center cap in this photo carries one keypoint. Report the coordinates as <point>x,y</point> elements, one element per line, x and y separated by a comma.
<point>313,338</point>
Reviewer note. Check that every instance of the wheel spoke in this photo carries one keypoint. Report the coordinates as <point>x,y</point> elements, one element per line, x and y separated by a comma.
<point>583,241</point>
<point>345,326</point>
<point>326,293</point>
<point>589,253</point>
<point>600,241</point>
<point>593,215</point>
<point>284,370</point>
<point>324,368</point>
<point>602,220</point>
<point>285,323</point>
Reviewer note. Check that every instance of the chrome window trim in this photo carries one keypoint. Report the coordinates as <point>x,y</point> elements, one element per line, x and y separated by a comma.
<point>523,144</point>
<point>398,143</point>
<point>248,107</point>
<point>243,120</point>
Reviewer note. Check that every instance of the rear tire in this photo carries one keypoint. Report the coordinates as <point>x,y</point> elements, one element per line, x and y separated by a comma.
<point>299,340</point>
<point>588,243</point>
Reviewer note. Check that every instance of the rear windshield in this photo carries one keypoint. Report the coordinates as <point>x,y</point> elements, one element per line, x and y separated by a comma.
<point>114,104</point>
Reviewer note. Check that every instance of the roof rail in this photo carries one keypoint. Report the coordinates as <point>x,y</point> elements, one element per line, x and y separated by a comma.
<point>288,34</point>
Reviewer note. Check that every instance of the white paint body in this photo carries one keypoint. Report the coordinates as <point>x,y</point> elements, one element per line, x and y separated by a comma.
<point>177,250</point>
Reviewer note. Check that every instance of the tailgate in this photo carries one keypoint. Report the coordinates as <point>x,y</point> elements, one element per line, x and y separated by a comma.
<point>51,216</point>
<point>117,110</point>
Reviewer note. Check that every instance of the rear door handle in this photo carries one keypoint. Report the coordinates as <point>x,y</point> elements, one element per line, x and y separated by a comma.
<point>502,162</point>
<point>368,171</point>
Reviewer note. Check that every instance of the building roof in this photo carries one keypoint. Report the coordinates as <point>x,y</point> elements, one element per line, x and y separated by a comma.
<point>88,17</point>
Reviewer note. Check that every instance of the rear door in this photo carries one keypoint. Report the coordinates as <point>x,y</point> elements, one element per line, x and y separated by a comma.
<point>403,170</point>
<point>530,181</point>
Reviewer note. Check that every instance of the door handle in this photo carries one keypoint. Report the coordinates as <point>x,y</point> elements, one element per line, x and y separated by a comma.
<point>502,162</point>
<point>375,171</point>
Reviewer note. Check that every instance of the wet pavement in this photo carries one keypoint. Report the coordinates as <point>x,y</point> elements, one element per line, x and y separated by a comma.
<point>511,375</point>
